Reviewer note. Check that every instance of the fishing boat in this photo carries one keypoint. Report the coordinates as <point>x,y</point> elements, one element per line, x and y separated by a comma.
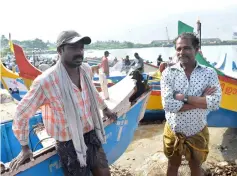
<point>148,68</point>
<point>234,66</point>
<point>223,64</point>
<point>226,115</point>
<point>12,82</point>
<point>118,134</point>
<point>27,71</point>
<point>154,109</point>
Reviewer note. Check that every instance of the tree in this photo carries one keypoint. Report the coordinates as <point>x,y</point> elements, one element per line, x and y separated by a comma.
<point>4,41</point>
<point>38,43</point>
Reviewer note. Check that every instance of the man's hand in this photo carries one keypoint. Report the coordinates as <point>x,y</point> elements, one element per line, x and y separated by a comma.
<point>209,91</point>
<point>112,116</point>
<point>25,154</point>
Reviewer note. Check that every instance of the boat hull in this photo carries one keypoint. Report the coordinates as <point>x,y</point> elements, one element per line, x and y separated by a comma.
<point>13,83</point>
<point>118,136</point>
<point>222,118</point>
<point>226,116</point>
<point>154,109</point>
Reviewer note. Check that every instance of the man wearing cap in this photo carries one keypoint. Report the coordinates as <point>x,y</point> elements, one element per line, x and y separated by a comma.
<point>70,109</point>
<point>105,63</point>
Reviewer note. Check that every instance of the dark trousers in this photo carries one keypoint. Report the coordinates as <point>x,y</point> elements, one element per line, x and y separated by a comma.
<point>96,157</point>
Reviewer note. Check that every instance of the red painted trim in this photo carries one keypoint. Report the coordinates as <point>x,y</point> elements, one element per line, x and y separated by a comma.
<point>156,93</point>
<point>228,79</point>
<point>27,70</point>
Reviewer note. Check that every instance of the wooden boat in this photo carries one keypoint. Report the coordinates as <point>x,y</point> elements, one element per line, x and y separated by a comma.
<point>27,71</point>
<point>226,116</point>
<point>234,66</point>
<point>223,64</point>
<point>118,135</point>
<point>13,83</point>
<point>154,109</point>
<point>150,68</point>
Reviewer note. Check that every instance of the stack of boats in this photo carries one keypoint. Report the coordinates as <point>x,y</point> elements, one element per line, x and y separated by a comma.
<point>119,134</point>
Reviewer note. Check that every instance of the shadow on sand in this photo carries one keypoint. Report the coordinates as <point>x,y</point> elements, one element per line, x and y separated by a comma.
<point>229,145</point>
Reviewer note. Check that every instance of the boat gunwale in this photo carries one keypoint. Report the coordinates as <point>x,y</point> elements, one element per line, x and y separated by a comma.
<point>47,152</point>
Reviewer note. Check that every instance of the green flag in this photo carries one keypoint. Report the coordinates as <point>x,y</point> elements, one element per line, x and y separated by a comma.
<point>182,27</point>
<point>203,61</point>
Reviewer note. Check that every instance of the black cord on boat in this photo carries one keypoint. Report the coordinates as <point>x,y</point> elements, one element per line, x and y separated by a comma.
<point>30,133</point>
<point>40,142</point>
<point>33,127</point>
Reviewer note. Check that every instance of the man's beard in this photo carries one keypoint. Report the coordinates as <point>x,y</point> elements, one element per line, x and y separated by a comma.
<point>184,59</point>
<point>76,61</point>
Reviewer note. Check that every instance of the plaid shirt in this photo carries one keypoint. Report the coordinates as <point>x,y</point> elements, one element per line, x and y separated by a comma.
<point>43,92</point>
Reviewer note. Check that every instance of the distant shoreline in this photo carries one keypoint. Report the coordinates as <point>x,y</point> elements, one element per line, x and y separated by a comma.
<point>53,51</point>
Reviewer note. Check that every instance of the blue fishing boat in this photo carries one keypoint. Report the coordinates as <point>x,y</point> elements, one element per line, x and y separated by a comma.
<point>154,109</point>
<point>46,161</point>
<point>234,66</point>
<point>223,64</point>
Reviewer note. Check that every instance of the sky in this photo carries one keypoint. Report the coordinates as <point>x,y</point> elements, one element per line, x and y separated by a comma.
<point>124,20</point>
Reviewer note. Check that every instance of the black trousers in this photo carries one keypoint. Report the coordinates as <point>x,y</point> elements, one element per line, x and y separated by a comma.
<point>96,157</point>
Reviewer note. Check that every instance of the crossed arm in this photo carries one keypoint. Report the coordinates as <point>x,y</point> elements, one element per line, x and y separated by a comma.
<point>194,101</point>
<point>210,98</point>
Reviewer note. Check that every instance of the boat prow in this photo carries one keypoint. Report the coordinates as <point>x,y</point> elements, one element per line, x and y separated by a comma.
<point>118,134</point>
<point>27,71</point>
<point>13,83</point>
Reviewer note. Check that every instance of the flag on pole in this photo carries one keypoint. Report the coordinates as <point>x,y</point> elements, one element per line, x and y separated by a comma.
<point>182,27</point>
<point>10,43</point>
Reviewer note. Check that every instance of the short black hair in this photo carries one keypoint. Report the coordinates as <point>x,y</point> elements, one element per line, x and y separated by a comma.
<point>189,35</point>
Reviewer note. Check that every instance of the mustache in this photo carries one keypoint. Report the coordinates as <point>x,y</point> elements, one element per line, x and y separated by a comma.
<point>76,57</point>
<point>180,57</point>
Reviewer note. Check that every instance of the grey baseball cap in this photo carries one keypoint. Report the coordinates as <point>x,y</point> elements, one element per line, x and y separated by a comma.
<point>70,37</point>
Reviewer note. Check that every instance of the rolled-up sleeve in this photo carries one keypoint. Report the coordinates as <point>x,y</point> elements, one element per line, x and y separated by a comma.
<point>213,101</point>
<point>26,109</point>
<point>167,91</point>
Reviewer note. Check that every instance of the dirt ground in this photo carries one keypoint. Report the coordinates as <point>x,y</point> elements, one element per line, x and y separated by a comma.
<point>144,156</point>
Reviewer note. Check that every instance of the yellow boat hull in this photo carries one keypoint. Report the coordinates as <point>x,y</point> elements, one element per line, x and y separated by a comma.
<point>13,83</point>
<point>226,116</point>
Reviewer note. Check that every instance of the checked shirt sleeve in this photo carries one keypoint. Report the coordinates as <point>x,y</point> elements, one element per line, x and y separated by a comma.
<point>26,108</point>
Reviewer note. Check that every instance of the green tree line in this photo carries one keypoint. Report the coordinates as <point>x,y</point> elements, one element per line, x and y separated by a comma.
<point>48,47</point>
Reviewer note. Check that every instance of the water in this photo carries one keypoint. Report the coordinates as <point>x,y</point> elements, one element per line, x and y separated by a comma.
<point>212,53</point>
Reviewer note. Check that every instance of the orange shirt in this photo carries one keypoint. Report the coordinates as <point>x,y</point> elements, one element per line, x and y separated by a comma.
<point>105,65</point>
<point>43,93</point>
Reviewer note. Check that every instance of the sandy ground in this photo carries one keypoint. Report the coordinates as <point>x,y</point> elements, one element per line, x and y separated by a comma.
<point>144,155</point>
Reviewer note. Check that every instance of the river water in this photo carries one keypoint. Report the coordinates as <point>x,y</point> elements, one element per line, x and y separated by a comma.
<point>212,53</point>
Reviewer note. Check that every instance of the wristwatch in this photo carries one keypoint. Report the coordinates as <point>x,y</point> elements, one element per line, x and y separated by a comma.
<point>185,100</point>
